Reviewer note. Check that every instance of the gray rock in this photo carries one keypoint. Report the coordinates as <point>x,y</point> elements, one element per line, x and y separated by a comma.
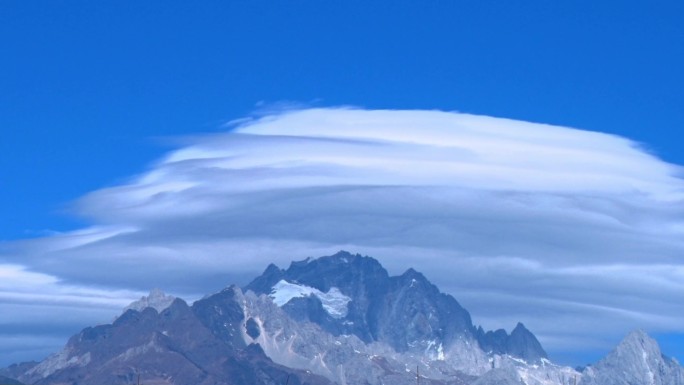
<point>506,376</point>
<point>181,345</point>
<point>344,320</point>
<point>637,360</point>
<point>407,311</point>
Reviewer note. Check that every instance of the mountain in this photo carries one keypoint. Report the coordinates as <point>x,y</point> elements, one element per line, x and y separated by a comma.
<point>340,319</point>
<point>520,343</point>
<point>637,360</point>
<point>352,294</point>
<point>181,345</point>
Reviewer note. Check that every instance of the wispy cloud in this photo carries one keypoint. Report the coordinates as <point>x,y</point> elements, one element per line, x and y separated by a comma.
<point>576,233</point>
<point>39,310</point>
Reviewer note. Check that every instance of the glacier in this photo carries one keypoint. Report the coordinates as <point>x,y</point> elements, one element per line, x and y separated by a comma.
<point>333,301</point>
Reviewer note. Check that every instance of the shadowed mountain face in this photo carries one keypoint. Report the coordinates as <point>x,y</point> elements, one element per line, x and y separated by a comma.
<point>333,320</point>
<point>181,345</point>
<point>520,343</point>
<point>403,311</point>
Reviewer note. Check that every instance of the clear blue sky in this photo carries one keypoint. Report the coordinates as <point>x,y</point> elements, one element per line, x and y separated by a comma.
<point>91,90</point>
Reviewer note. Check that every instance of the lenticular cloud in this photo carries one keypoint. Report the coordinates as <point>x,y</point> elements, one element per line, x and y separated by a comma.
<point>340,147</point>
<point>549,225</point>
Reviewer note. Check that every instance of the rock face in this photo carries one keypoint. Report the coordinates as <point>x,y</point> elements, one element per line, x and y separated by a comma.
<point>637,360</point>
<point>180,345</point>
<point>407,312</point>
<point>507,376</point>
<point>333,320</point>
<point>520,343</point>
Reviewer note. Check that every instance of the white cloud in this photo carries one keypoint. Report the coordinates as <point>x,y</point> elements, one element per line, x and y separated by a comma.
<point>20,286</point>
<point>38,311</point>
<point>560,228</point>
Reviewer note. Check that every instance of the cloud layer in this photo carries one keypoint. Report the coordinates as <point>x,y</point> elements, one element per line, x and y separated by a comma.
<point>578,234</point>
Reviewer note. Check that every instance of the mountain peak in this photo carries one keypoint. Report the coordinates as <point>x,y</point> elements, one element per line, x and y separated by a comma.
<point>411,272</point>
<point>636,360</point>
<point>272,269</point>
<point>522,343</point>
<point>344,255</point>
<point>636,343</point>
<point>520,328</point>
<point>157,300</point>
<point>638,336</point>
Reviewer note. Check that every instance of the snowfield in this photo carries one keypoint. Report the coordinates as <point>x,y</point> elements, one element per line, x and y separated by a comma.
<point>334,302</point>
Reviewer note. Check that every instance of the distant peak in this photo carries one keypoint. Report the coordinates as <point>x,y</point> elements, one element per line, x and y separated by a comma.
<point>412,273</point>
<point>157,300</point>
<point>520,327</point>
<point>641,339</point>
<point>344,256</point>
<point>522,343</point>
<point>637,359</point>
<point>272,268</point>
<point>341,257</point>
<point>156,293</point>
<point>638,334</point>
<point>343,253</point>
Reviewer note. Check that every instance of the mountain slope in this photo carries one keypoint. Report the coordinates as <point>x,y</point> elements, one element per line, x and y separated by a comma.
<point>637,360</point>
<point>180,345</point>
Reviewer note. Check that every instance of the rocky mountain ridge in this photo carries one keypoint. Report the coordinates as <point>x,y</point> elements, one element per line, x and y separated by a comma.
<point>406,312</point>
<point>333,320</point>
<point>636,360</point>
<point>157,300</point>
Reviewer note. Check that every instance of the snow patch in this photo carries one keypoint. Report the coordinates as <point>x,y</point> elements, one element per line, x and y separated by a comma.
<point>334,302</point>
<point>649,374</point>
<point>435,352</point>
<point>440,353</point>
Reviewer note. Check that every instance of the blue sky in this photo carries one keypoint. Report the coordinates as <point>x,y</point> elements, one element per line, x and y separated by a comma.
<point>93,93</point>
<point>84,83</point>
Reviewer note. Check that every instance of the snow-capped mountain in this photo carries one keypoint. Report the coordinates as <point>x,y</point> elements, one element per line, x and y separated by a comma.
<point>333,320</point>
<point>355,295</point>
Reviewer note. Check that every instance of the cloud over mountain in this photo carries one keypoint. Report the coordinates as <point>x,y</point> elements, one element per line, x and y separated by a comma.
<point>577,233</point>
